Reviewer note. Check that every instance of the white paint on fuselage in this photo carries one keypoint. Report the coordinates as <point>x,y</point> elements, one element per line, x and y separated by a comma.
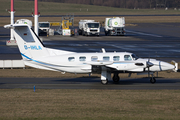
<point>61,63</point>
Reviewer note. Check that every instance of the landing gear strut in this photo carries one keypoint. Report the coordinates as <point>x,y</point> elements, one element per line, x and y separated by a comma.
<point>152,79</point>
<point>116,78</point>
<point>105,75</point>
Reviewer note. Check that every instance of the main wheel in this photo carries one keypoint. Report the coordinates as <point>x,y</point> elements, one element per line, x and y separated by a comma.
<point>116,78</point>
<point>80,32</point>
<point>83,33</point>
<point>153,80</point>
<point>104,82</point>
<point>105,33</point>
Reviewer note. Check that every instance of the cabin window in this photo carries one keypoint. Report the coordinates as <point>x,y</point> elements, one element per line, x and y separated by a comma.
<point>127,57</point>
<point>82,58</point>
<point>94,58</point>
<point>116,58</point>
<point>71,59</point>
<point>106,58</point>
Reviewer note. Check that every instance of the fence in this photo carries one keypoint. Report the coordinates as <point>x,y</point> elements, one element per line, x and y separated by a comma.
<point>12,64</point>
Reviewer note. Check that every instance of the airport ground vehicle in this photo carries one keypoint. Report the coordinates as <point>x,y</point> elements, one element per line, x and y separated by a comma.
<point>89,27</point>
<point>67,25</point>
<point>114,26</point>
<point>24,21</point>
<point>44,28</point>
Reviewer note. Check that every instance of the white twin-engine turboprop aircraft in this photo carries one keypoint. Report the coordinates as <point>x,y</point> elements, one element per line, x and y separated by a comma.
<point>34,54</point>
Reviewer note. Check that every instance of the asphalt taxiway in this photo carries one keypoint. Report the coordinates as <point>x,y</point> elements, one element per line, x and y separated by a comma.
<point>147,40</point>
<point>87,83</point>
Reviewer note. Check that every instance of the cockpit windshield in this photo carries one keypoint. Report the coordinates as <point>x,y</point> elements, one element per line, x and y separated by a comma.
<point>93,25</point>
<point>134,57</point>
<point>43,24</point>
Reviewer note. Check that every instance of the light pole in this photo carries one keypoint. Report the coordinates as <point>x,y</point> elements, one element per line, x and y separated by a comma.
<point>12,18</point>
<point>36,15</point>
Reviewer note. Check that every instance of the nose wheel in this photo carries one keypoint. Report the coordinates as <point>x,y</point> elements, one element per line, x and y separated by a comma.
<point>152,79</point>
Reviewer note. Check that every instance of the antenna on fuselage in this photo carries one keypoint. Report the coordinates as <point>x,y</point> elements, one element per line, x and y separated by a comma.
<point>103,50</point>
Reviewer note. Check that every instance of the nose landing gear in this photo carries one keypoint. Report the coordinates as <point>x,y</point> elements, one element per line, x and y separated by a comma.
<point>152,79</point>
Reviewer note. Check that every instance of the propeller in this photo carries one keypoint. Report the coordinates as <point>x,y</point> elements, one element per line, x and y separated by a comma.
<point>149,64</point>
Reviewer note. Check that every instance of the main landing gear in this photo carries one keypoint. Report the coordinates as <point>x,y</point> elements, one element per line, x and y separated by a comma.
<point>116,78</point>
<point>106,75</point>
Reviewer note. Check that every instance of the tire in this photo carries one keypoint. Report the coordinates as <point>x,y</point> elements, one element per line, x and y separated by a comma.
<point>104,82</point>
<point>153,80</point>
<point>83,33</point>
<point>105,33</point>
<point>116,78</point>
<point>80,32</point>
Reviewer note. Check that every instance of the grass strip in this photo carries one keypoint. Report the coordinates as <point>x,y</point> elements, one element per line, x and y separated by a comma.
<point>54,8</point>
<point>89,104</point>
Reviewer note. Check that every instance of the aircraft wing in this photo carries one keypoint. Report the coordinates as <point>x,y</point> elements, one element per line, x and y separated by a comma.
<point>99,63</point>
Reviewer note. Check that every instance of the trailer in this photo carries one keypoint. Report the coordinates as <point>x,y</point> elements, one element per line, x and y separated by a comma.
<point>114,26</point>
<point>89,27</point>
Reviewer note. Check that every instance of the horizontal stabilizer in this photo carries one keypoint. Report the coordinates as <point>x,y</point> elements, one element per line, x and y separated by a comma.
<point>12,26</point>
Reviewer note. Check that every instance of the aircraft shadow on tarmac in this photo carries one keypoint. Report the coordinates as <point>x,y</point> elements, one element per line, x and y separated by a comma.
<point>123,81</point>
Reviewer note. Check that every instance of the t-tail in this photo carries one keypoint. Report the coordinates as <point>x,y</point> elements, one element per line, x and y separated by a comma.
<point>28,42</point>
<point>31,48</point>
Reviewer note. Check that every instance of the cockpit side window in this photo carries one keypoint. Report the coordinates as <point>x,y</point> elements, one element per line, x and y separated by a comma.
<point>127,57</point>
<point>134,57</point>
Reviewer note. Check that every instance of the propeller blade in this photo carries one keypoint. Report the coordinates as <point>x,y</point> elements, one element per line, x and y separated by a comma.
<point>149,64</point>
<point>148,72</point>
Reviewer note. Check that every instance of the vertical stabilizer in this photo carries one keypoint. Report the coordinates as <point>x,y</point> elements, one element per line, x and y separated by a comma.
<point>28,42</point>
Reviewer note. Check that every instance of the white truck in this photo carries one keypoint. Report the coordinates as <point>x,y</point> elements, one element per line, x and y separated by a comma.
<point>114,26</point>
<point>44,28</point>
<point>89,27</point>
<point>24,21</point>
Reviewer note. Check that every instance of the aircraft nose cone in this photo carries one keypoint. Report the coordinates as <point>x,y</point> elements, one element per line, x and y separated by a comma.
<point>166,66</point>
